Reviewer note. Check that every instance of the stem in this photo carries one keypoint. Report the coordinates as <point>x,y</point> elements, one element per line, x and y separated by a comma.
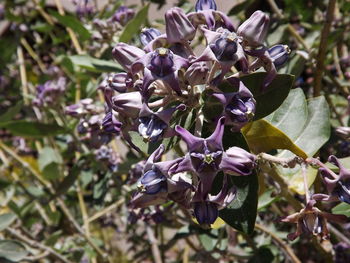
<point>317,162</point>
<point>23,74</point>
<point>155,249</point>
<point>289,252</point>
<point>36,244</point>
<point>285,162</point>
<point>69,30</point>
<point>306,187</point>
<point>32,53</point>
<point>199,123</point>
<point>106,210</point>
<point>60,202</point>
<point>322,49</point>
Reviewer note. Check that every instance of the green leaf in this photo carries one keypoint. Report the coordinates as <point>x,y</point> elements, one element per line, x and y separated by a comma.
<point>266,199</point>
<point>94,64</point>
<point>73,23</point>
<point>47,155</point>
<point>6,220</point>
<point>241,213</point>
<point>261,136</point>
<point>342,209</point>
<point>12,250</point>
<point>269,100</point>
<point>32,129</point>
<point>11,112</point>
<point>306,123</point>
<point>134,25</point>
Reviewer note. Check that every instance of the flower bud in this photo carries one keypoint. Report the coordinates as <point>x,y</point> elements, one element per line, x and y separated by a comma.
<point>240,110</point>
<point>119,81</point>
<point>178,27</point>
<point>206,212</point>
<point>238,161</point>
<point>205,5</point>
<point>225,48</point>
<point>279,54</point>
<point>254,29</point>
<point>128,104</point>
<point>110,124</point>
<point>197,73</point>
<point>126,54</point>
<point>152,182</point>
<point>161,62</point>
<point>148,34</point>
<point>123,15</point>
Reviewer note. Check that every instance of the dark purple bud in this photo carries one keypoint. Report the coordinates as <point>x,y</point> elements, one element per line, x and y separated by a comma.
<point>197,73</point>
<point>128,104</point>
<point>152,182</point>
<point>240,110</point>
<point>225,48</point>
<point>254,29</point>
<point>119,82</point>
<point>206,212</point>
<point>279,54</point>
<point>151,127</point>
<point>178,27</point>
<point>237,161</point>
<point>205,5</point>
<point>110,123</point>
<point>161,62</point>
<point>126,54</point>
<point>148,34</point>
<point>123,15</point>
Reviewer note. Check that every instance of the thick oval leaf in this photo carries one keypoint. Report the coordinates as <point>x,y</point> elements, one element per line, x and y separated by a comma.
<point>11,112</point>
<point>134,25</point>
<point>292,111</point>
<point>12,250</point>
<point>241,213</point>
<point>73,23</point>
<point>6,220</point>
<point>94,64</point>
<point>261,136</point>
<point>32,129</point>
<point>269,100</point>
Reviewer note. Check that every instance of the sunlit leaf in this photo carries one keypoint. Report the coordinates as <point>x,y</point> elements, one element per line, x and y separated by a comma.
<point>12,250</point>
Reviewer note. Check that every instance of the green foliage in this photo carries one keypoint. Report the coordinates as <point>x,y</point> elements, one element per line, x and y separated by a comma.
<point>12,250</point>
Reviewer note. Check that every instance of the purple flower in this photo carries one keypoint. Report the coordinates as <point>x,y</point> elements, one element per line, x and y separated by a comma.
<point>107,156</point>
<point>270,59</point>
<point>254,29</point>
<point>123,15</point>
<point>338,186</point>
<point>239,107</point>
<point>178,27</point>
<point>81,108</point>
<point>206,157</point>
<point>50,92</point>
<point>156,185</point>
<point>126,54</point>
<point>154,125</point>
<point>197,73</point>
<point>128,104</point>
<point>160,64</point>
<point>311,221</point>
<point>206,207</point>
<point>206,14</point>
<point>148,34</point>
<point>224,48</point>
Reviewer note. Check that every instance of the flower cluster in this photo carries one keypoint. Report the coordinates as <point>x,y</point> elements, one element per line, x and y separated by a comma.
<point>50,92</point>
<point>165,80</point>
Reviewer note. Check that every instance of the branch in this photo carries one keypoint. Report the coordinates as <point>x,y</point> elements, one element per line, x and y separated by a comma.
<point>322,49</point>
<point>36,244</point>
